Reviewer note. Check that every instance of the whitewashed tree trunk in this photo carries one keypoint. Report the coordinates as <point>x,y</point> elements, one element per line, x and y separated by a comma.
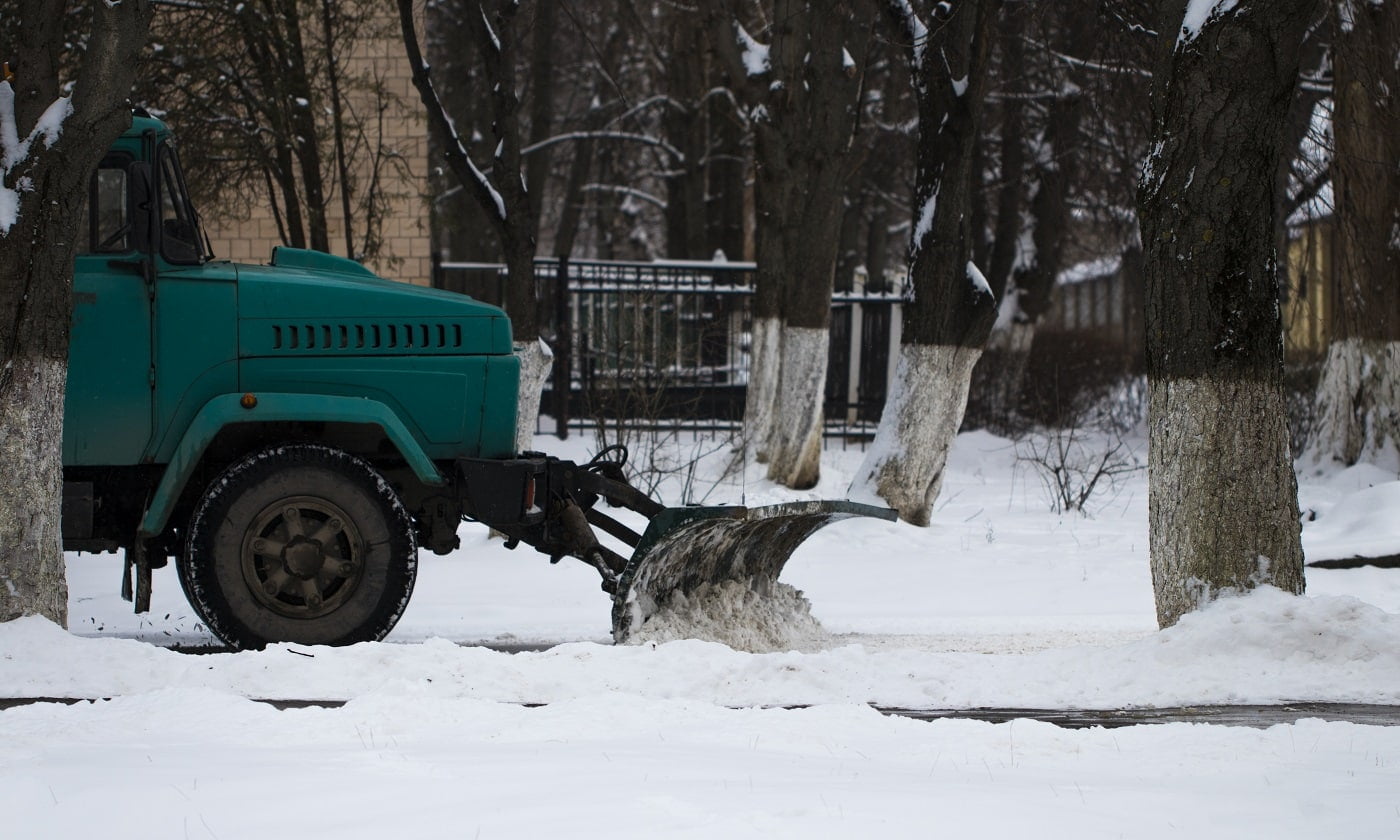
<point>1359,398</point>
<point>32,577</point>
<point>536,360</point>
<point>1222,509</point>
<point>47,172</point>
<point>1359,393</point>
<point>949,308</point>
<point>761,397</point>
<point>923,412</point>
<point>1013,343</point>
<point>1222,495</point>
<point>795,443</point>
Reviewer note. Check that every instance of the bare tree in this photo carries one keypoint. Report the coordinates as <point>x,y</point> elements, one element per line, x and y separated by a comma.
<point>55,126</point>
<point>1359,395</point>
<point>269,109</point>
<point>503,195</point>
<point>949,309</point>
<point>1223,502</point>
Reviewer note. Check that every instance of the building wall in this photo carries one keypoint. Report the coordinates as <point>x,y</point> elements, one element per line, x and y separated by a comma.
<point>1307,301</point>
<point>406,253</point>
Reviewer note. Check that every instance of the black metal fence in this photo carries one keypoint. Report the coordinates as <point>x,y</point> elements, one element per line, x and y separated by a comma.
<point>667,344</point>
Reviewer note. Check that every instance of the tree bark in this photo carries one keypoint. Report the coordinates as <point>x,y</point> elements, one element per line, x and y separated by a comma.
<point>1359,393</point>
<point>38,241</point>
<point>949,309</point>
<point>1223,509</point>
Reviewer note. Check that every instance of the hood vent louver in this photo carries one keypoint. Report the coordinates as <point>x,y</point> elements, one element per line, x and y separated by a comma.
<point>367,337</point>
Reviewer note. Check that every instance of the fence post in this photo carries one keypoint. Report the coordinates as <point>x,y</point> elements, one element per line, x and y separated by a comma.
<point>897,288</point>
<point>857,339</point>
<point>564,352</point>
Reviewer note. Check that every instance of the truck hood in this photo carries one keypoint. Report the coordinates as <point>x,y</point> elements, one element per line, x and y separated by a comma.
<point>307,302</point>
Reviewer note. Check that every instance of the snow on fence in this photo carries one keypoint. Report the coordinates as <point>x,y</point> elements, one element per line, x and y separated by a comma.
<point>666,344</point>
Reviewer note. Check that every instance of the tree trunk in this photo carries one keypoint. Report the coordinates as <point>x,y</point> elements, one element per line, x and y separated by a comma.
<point>1223,502</point>
<point>1056,173</point>
<point>305,138</point>
<point>951,310</point>
<point>342,162</point>
<point>683,124</point>
<point>31,434</point>
<point>503,196</point>
<point>803,138</point>
<point>728,170</point>
<point>541,105</point>
<point>1359,394</point>
<point>38,239</point>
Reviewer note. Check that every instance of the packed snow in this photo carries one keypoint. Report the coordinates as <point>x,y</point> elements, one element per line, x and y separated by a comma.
<point>553,730</point>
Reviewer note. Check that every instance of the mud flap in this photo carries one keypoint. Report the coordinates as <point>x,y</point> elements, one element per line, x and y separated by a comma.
<point>685,549</point>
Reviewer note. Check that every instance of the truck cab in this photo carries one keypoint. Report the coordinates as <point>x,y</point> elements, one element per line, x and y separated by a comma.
<point>291,431</point>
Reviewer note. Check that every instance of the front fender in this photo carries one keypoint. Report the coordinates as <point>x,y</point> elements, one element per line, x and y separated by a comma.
<point>227,409</point>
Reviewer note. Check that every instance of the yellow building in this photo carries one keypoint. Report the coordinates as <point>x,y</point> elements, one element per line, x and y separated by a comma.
<point>406,252</point>
<point>1308,297</point>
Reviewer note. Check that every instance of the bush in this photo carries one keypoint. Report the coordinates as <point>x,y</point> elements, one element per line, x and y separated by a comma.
<point>1068,374</point>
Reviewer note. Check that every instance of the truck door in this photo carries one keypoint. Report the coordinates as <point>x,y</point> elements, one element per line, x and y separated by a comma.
<point>107,414</point>
<point>196,312</point>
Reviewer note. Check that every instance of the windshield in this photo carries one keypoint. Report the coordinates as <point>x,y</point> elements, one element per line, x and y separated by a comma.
<point>181,238</point>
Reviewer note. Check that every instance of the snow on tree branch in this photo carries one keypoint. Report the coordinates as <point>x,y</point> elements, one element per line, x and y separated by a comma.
<point>756,56</point>
<point>14,151</point>
<point>490,32</point>
<point>456,150</point>
<point>1198,14</point>
<point>914,28</point>
<point>647,139</point>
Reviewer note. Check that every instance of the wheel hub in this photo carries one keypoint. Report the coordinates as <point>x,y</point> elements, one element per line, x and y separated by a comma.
<point>302,557</point>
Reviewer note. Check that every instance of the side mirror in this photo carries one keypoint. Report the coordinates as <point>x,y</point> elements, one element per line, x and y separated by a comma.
<point>142,205</point>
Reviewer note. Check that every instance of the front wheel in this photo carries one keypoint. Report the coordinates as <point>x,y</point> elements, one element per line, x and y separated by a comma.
<point>299,543</point>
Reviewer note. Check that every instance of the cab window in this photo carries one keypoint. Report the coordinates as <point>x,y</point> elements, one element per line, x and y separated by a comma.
<point>107,211</point>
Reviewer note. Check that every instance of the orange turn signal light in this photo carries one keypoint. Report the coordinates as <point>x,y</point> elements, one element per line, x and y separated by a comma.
<point>248,401</point>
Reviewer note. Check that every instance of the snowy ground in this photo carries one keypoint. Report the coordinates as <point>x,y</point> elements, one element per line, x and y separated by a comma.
<point>1000,603</point>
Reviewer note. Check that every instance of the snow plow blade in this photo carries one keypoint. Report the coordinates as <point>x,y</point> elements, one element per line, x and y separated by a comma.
<point>686,550</point>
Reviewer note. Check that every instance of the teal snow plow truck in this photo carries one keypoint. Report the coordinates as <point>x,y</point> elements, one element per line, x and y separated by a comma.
<point>293,433</point>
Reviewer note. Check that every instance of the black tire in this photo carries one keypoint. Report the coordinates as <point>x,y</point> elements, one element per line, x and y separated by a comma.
<point>299,543</point>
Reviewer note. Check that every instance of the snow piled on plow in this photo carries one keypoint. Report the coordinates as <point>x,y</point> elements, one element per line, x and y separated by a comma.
<point>732,613</point>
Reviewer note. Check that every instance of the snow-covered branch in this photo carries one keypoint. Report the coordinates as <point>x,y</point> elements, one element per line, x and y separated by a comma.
<point>631,192</point>
<point>645,139</point>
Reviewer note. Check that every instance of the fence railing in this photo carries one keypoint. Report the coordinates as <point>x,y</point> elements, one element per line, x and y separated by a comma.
<point>667,344</point>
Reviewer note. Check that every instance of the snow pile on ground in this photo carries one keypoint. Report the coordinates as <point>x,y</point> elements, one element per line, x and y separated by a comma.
<point>1267,647</point>
<point>1352,514</point>
<point>999,603</point>
<point>182,763</point>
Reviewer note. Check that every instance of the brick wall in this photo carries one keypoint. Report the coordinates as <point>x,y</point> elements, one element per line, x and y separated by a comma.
<point>405,254</point>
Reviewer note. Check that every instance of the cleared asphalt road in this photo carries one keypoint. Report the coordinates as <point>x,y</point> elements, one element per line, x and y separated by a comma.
<point>1257,717</point>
